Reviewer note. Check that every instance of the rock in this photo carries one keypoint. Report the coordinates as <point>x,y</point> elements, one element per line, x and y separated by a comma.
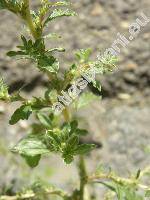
<point>97,9</point>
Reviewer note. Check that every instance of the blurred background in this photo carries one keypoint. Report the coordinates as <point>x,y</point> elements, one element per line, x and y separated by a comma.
<point>120,121</point>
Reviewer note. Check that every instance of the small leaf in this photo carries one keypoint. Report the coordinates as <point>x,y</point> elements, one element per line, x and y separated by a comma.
<point>49,64</point>
<point>32,161</point>
<point>68,158</point>
<point>21,113</point>
<point>60,3</point>
<point>3,90</point>
<point>59,13</point>
<point>15,53</point>
<point>83,55</point>
<point>74,126</point>
<point>84,148</point>
<point>73,141</point>
<point>45,121</point>
<point>138,174</point>
<point>58,49</point>
<point>97,85</point>
<point>82,132</point>
<point>52,36</point>
<point>25,43</point>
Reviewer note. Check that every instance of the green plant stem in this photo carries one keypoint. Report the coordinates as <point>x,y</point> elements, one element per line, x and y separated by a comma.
<point>122,181</point>
<point>66,114</point>
<point>32,195</point>
<point>83,177</point>
<point>29,20</point>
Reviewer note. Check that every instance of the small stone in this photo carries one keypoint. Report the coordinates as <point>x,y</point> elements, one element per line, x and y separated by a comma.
<point>125,24</point>
<point>131,66</point>
<point>124,96</point>
<point>23,125</point>
<point>97,10</point>
<point>146,35</point>
<point>2,109</point>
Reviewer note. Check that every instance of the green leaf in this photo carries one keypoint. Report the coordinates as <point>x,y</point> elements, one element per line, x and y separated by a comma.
<point>3,90</point>
<point>73,141</point>
<point>25,43</point>
<point>48,63</point>
<point>74,126</point>
<point>84,148</point>
<point>52,36</point>
<point>36,51</point>
<point>85,99</point>
<point>45,121</point>
<point>12,5</point>
<point>59,13</point>
<point>83,55</point>
<point>68,158</point>
<point>32,145</point>
<point>105,64</point>
<point>138,174</point>
<point>32,161</point>
<point>82,132</point>
<point>15,53</point>
<point>147,194</point>
<point>21,113</point>
<point>2,4</point>
<point>66,141</point>
<point>54,140</point>
<point>96,84</point>
<point>60,3</point>
<point>57,49</point>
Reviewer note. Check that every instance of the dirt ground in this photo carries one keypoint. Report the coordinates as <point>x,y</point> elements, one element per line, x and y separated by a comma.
<point>121,121</point>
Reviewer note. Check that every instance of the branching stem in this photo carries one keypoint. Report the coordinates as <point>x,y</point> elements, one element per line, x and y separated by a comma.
<point>32,195</point>
<point>122,181</point>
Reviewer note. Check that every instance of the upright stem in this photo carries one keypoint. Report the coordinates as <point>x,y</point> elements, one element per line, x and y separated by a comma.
<point>83,177</point>
<point>66,114</point>
<point>29,20</point>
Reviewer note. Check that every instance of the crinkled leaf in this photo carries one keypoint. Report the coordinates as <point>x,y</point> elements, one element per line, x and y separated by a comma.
<point>106,63</point>
<point>32,145</point>
<point>59,13</point>
<point>21,113</point>
<point>36,51</point>
<point>48,63</point>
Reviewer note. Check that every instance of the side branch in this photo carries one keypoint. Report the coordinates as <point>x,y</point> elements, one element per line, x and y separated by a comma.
<point>31,195</point>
